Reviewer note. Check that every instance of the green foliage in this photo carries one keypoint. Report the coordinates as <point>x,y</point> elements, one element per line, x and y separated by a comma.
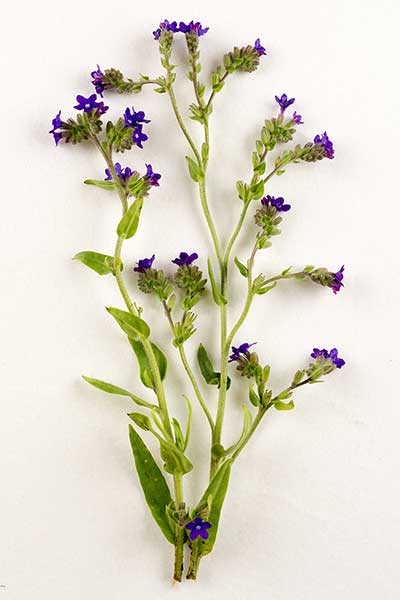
<point>195,171</point>
<point>146,374</point>
<point>104,185</point>
<point>242,269</point>
<point>110,388</point>
<point>119,136</point>
<point>184,329</point>
<point>211,376</point>
<point>155,488</point>
<point>103,264</point>
<point>242,59</point>
<point>133,326</point>
<point>129,223</point>
<point>216,490</point>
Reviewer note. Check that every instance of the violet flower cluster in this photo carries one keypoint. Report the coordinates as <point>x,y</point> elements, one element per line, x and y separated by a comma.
<point>196,282</point>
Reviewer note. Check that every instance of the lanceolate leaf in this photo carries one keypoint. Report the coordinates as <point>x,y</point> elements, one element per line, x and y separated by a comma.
<point>145,371</point>
<point>243,270</point>
<point>133,326</point>
<point>128,225</point>
<point>114,389</point>
<point>104,185</point>
<point>155,488</point>
<point>195,171</point>
<point>217,490</point>
<point>211,376</point>
<point>101,263</point>
<point>175,462</point>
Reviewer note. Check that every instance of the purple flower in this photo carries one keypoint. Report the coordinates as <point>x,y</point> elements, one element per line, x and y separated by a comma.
<point>185,259</point>
<point>259,48</point>
<point>57,123</point>
<point>297,118</point>
<point>139,137</point>
<point>321,355</point>
<point>193,27</point>
<point>197,528</point>
<point>144,264</point>
<point>133,119</point>
<point>326,143</point>
<point>151,176</point>
<point>284,102</point>
<point>97,81</point>
<point>123,174</point>
<point>278,203</point>
<point>165,26</point>
<point>90,104</point>
<point>337,281</point>
<point>242,349</point>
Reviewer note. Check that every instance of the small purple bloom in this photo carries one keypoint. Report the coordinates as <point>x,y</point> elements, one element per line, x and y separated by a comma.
<point>259,48</point>
<point>144,264</point>
<point>242,349</point>
<point>326,143</point>
<point>139,137</point>
<point>278,203</point>
<point>337,281</point>
<point>89,104</point>
<point>185,259</point>
<point>123,174</point>
<point>165,26</point>
<point>193,27</point>
<point>325,355</point>
<point>133,119</point>
<point>297,118</point>
<point>57,123</point>
<point>284,102</point>
<point>152,177</point>
<point>97,81</point>
<point>197,528</point>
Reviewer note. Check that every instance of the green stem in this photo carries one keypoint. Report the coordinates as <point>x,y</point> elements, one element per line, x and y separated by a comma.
<point>188,370</point>
<point>225,75</point>
<point>182,125</point>
<point>180,533</point>
<point>194,561</point>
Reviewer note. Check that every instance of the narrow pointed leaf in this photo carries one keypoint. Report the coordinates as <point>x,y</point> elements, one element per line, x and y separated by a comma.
<point>155,488</point>
<point>129,223</point>
<point>146,375</point>
<point>101,263</point>
<point>217,490</point>
<point>104,185</point>
<point>114,389</point>
<point>133,326</point>
<point>243,270</point>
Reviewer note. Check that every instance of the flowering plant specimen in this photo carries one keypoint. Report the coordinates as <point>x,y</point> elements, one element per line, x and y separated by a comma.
<point>180,288</point>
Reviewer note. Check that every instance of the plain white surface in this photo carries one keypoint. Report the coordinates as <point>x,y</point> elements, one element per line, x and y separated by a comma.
<point>313,508</point>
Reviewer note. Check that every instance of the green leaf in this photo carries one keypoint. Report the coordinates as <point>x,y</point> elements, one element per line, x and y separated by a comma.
<point>211,376</point>
<point>242,269</point>
<point>253,397</point>
<point>133,326</point>
<point>263,290</point>
<point>128,225</point>
<point>218,299</point>
<point>140,420</point>
<point>101,263</point>
<point>155,488</point>
<point>146,375</point>
<point>175,462</point>
<point>284,406</point>
<point>257,190</point>
<point>104,185</point>
<point>179,439</point>
<point>217,490</point>
<point>114,389</point>
<point>195,171</point>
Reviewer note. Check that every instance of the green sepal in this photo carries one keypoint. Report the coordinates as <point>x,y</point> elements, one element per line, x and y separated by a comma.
<point>127,227</point>
<point>133,326</point>
<point>195,171</point>
<point>217,490</point>
<point>104,185</point>
<point>146,375</point>
<point>155,488</point>
<point>243,270</point>
<point>211,376</point>
<point>114,389</point>
<point>101,263</point>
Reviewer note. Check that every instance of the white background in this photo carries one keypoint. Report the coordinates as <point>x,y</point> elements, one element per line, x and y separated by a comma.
<point>313,508</point>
